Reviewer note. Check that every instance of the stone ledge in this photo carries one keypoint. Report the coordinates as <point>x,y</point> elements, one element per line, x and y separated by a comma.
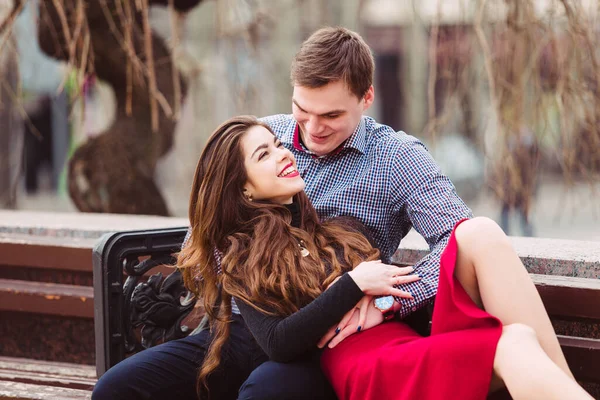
<point>78,225</point>
<point>540,255</point>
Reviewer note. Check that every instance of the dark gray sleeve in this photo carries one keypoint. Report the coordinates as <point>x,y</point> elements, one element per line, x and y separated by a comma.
<point>286,338</point>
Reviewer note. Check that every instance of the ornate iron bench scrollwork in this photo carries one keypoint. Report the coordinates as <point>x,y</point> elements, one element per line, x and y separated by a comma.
<point>132,309</point>
<point>157,306</point>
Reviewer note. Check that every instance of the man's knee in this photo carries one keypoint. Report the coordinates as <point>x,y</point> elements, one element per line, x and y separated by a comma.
<point>100,391</point>
<point>112,386</point>
<point>261,384</point>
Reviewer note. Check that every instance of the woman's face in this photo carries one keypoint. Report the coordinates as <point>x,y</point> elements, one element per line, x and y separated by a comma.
<point>271,168</point>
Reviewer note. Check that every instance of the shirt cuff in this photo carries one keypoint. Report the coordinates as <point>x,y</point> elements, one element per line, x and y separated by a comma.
<point>420,298</point>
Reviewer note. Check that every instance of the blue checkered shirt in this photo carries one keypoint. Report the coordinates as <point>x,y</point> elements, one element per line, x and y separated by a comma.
<point>389,181</point>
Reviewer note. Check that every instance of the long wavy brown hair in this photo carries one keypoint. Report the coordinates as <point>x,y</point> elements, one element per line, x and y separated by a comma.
<point>258,249</point>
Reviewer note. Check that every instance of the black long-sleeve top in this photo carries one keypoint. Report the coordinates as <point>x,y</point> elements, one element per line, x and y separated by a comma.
<point>284,339</point>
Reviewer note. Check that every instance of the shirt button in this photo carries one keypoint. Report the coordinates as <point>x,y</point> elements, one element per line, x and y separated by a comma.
<point>414,308</point>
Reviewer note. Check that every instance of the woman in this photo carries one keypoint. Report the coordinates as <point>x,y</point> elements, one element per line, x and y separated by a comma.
<point>256,238</point>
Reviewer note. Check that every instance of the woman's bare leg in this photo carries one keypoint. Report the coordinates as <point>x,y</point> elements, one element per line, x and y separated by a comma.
<point>492,274</point>
<point>528,372</point>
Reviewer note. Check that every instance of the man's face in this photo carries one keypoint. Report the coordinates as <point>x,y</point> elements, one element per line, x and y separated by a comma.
<point>328,115</point>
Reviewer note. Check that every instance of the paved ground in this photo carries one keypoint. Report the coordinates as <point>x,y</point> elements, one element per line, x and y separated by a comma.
<point>558,212</point>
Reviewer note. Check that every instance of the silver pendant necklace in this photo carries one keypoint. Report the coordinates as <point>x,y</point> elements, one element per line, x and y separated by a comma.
<point>303,251</point>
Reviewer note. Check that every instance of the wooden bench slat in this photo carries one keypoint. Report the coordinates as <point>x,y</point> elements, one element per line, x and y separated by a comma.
<point>38,378</point>
<point>17,390</point>
<point>569,297</point>
<point>583,356</point>
<point>566,281</point>
<point>47,373</point>
<point>51,367</point>
<point>47,252</point>
<point>46,298</point>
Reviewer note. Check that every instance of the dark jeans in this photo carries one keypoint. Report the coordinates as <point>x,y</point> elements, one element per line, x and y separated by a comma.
<point>169,371</point>
<point>300,380</point>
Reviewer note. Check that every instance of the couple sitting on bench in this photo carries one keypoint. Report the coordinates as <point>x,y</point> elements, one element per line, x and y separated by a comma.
<point>291,217</point>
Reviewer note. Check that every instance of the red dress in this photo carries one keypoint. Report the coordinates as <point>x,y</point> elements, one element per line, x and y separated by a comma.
<point>392,362</point>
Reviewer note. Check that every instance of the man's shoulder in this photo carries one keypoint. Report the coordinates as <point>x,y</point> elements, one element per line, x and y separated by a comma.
<point>386,141</point>
<point>405,158</point>
<point>280,123</point>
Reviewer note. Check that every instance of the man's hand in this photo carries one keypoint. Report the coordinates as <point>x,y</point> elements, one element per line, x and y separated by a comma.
<point>376,278</point>
<point>364,315</point>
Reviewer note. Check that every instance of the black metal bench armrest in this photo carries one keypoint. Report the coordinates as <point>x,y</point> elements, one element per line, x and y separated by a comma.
<point>120,260</point>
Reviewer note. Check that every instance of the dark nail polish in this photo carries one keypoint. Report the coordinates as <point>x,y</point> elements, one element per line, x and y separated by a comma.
<point>358,329</point>
<point>337,330</point>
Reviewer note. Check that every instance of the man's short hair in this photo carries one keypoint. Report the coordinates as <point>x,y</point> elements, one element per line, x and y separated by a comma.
<point>332,54</point>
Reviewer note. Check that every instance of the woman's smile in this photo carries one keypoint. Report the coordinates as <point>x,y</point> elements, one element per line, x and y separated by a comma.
<point>289,171</point>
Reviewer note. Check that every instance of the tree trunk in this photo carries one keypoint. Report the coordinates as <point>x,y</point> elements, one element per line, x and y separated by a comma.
<point>114,172</point>
<point>11,128</point>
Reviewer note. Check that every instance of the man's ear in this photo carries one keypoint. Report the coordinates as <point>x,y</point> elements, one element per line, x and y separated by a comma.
<point>369,98</point>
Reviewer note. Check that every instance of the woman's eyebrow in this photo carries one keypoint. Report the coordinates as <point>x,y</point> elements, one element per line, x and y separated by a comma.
<point>262,146</point>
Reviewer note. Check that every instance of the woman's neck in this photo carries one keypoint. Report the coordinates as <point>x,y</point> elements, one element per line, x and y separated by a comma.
<point>294,208</point>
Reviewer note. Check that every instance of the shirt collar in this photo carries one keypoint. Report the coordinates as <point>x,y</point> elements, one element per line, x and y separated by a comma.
<point>357,141</point>
<point>288,134</point>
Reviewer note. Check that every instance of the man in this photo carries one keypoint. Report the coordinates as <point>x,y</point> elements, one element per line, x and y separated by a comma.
<point>352,166</point>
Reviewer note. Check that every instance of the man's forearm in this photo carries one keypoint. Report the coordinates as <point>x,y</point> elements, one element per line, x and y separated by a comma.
<point>425,289</point>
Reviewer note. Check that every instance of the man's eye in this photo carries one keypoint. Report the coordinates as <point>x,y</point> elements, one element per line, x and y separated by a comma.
<point>334,116</point>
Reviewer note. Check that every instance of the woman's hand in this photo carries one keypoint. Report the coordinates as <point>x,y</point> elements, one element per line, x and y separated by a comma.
<point>375,278</point>
<point>362,317</point>
<point>372,317</point>
<point>353,318</point>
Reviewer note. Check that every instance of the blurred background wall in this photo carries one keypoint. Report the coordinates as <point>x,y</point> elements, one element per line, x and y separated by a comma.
<point>446,72</point>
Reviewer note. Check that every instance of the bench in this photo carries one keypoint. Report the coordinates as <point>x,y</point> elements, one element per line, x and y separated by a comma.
<point>47,302</point>
<point>132,313</point>
<point>46,309</point>
<point>46,298</point>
